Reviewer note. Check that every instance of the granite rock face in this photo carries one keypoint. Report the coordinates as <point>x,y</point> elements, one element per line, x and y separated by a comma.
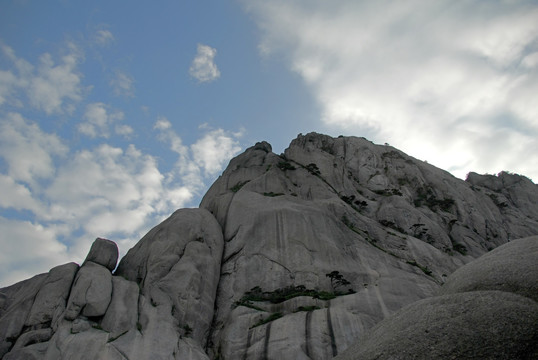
<point>294,256</point>
<point>487,309</point>
<point>103,252</point>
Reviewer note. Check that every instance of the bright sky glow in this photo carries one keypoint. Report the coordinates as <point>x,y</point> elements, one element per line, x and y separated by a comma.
<point>113,115</point>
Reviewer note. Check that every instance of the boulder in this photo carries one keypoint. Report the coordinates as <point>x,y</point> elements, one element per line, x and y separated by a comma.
<point>487,309</point>
<point>32,337</point>
<point>177,265</point>
<point>122,313</point>
<point>30,352</point>
<point>103,252</point>
<point>91,292</point>
<point>472,325</point>
<point>512,267</point>
<point>18,300</point>
<point>51,298</point>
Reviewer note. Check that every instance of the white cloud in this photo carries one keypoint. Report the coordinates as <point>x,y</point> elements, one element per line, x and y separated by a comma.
<point>98,120</point>
<point>214,149</point>
<point>437,79</point>
<point>29,249</point>
<point>56,199</point>
<point>123,130</point>
<point>203,67</point>
<point>106,191</point>
<point>162,123</point>
<point>123,84</point>
<point>28,151</point>
<point>103,37</point>
<point>50,87</point>
<point>54,84</point>
<point>204,158</point>
<point>8,82</point>
<point>17,196</point>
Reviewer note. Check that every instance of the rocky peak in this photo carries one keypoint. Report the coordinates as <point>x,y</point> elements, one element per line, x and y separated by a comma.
<point>289,256</point>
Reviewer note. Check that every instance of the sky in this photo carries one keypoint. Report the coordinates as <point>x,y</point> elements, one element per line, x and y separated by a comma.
<point>113,114</point>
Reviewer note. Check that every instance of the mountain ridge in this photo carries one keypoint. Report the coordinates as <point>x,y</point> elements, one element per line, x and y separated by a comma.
<point>288,256</point>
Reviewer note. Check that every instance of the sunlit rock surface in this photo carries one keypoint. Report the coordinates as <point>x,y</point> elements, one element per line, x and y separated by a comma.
<point>295,256</point>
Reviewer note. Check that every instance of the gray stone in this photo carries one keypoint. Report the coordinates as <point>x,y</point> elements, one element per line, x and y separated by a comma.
<point>32,337</point>
<point>80,325</point>
<point>85,345</point>
<point>17,303</point>
<point>30,352</point>
<point>122,313</point>
<point>91,292</point>
<point>178,265</point>
<point>394,227</point>
<point>512,267</point>
<point>472,325</point>
<point>103,252</point>
<point>52,295</point>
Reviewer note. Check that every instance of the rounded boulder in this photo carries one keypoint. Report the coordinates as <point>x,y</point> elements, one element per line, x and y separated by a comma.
<point>104,252</point>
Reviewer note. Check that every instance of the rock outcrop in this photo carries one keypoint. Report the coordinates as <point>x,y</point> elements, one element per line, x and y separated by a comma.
<point>487,309</point>
<point>292,256</point>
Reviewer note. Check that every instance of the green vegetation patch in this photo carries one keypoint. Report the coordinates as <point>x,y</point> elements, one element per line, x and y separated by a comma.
<point>285,165</point>
<point>389,192</point>
<point>272,194</point>
<point>256,294</point>
<point>307,308</point>
<point>238,186</point>
<point>426,196</point>
<point>313,169</point>
<point>424,269</point>
<point>460,248</point>
<point>268,319</point>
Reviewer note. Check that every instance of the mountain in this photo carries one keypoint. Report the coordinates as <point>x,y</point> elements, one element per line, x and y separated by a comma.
<point>298,256</point>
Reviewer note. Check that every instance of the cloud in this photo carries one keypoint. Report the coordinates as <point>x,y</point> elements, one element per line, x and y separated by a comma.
<point>213,150</point>
<point>162,123</point>
<point>123,84</point>
<point>29,249</point>
<point>200,161</point>
<point>17,196</point>
<point>98,121</point>
<point>103,37</point>
<point>203,67</point>
<point>28,151</point>
<point>51,87</point>
<point>108,190</point>
<point>103,191</point>
<point>437,78</point>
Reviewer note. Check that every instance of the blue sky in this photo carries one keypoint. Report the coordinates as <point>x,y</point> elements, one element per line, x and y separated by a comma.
<point>113,114</point>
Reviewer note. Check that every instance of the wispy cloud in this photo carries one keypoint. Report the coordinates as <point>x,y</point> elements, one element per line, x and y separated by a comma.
<point>123,84</point>
<point>103,37</point>
<point>203,67</point>
<point>453,83</point>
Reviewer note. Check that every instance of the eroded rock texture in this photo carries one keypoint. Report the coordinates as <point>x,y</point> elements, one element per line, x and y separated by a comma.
<point>292,256</point>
